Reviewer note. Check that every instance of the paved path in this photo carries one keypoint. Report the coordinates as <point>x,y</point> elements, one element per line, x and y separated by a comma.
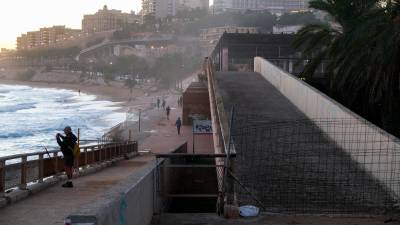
<point>286,160</point>
<point>273,219</point>
<point>52,205</point>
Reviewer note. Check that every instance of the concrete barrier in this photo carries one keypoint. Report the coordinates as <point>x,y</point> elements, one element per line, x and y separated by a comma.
<point>131,202</point>
<point>316,106</point>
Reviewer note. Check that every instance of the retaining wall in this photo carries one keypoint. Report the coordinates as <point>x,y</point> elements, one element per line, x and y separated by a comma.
<point>131,202</point>
<point>316,105</point>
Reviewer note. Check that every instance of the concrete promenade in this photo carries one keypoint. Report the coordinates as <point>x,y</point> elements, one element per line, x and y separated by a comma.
<point>52,205</point>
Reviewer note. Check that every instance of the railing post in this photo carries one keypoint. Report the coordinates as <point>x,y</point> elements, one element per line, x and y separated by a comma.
<point>93,155</point>
<point>2,178</point>
<point>41,165</point>
<point>22,184</point>
<point>55,155</point>
<point>86,156</point>
<point>100,153</point>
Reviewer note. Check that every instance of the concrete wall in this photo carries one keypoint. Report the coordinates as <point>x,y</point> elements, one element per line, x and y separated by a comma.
<point>131,202</point>
<point>374,148</point>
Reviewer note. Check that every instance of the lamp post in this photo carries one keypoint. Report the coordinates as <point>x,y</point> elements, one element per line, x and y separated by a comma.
<point>140,114</point>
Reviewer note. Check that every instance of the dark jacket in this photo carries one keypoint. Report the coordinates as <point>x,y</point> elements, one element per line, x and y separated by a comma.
<point>67,143</point>
<point>178,123</point>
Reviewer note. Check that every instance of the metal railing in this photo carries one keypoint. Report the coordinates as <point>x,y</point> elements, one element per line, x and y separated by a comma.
<point>221,136</point>
<point>36,166</point>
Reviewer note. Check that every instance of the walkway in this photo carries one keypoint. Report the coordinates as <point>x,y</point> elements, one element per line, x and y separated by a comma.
<point>52,205</point>
<point>273,219</point>
<point>286,160</point>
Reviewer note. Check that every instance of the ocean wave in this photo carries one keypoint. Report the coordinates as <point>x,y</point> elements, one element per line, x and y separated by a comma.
<point>16,108</point>
<point>16,134</point>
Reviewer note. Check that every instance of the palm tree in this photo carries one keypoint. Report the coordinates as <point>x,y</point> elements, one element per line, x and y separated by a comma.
<point>363,49</point>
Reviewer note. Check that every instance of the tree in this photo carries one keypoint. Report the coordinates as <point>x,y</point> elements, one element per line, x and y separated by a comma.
<point>363,49</point>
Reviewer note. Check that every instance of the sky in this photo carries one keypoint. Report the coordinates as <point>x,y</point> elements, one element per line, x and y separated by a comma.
<point>20,16</point>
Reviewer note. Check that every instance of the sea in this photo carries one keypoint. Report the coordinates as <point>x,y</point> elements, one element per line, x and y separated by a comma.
<point>31,117</point>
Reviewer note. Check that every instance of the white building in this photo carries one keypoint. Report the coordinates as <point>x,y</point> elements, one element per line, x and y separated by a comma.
<point>192,4</point>
<point>278,29</point>
<point>159,8</point>
<point>274,6</point>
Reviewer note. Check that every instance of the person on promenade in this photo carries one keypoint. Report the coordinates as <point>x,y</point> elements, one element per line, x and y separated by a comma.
<point>168,110</point>
<point>163,103</point>
<point>158,103</point>
<point>180,102</point>
<point>178,125</point>
<point>67,144</point>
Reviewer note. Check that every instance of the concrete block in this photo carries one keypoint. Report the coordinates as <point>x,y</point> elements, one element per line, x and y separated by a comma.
<point>3,202</point>
<point>17,195</point>
<point>37,187</point>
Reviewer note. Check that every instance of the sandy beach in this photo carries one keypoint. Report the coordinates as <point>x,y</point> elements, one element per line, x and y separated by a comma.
<point>141,97</point>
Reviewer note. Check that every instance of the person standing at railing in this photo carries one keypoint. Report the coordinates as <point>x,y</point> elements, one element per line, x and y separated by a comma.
<point>67,144</point>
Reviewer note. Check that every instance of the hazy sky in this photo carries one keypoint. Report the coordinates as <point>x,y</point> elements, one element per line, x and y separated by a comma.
<point>20,16</point>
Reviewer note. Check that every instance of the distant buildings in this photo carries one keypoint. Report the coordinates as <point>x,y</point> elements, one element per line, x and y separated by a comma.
<point>282,29</point>
<point>46,37</point>
<point>209,37</point>
<point>159,8</point>
<point>192,4</point>
<point>106,20</point>
<point>164,8</point>
<point>274,6</point>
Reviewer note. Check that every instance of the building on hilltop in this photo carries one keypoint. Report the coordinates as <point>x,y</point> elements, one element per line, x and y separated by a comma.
<point>160,9</point>
<point>274,6</point>
<point>46,37</point>
<point>192,4</point>
<point>209,37</point>
<point>107,19</point>
<point>286,29</point>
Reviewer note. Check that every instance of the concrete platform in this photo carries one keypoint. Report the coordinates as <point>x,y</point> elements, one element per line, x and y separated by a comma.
<point>51,206</point>
<point>286,161</point>
<point>272,219</point>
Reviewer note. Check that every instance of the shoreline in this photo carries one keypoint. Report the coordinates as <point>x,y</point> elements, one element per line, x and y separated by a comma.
<point>115,92</point>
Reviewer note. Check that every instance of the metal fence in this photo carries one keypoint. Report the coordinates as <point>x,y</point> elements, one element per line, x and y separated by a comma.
<point>19,170</point>
<point>299,167</point>
<point>189,183</point>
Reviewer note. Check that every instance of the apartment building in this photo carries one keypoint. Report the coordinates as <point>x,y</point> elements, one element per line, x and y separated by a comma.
<point>274,6</point>
<point>46,37</point>
<point>159,8</point>
<point>192,4</point>
<point>107,19</point>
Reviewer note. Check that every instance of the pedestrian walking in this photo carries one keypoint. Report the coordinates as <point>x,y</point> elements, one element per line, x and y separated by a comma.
<point>178,125</point>
<point>158,103</point>
<point>163,103</point>
<point>67,144</point>
<point>168,110</point>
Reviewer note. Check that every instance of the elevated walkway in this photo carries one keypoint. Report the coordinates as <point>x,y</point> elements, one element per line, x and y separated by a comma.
<point>288,162</point>
<point>250,93</point>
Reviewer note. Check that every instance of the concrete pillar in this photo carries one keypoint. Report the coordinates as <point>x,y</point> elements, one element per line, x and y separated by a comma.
<point>225,59</point>
<point>290,66</point>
